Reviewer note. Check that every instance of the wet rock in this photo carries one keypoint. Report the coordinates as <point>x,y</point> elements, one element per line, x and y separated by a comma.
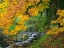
<point>33,35</point>
<point>30,33</point>
<point>30,39</point>
<point>26,39</point>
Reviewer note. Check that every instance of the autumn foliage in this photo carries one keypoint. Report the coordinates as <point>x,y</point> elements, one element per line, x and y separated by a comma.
<point>60,21</point>
<point>14,13</point>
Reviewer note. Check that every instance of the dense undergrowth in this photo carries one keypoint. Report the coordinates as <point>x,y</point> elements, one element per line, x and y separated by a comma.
<point>49,41</point>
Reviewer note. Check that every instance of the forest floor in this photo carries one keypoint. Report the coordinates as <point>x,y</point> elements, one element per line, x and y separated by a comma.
<point>49,41</point>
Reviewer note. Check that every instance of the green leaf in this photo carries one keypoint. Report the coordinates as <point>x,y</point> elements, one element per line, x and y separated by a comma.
<point>12,27</point>
<point>1,29</point>
<point>17,20</point>
<point>1,1</point>
<point>40,29</point>
<point>0,46</point>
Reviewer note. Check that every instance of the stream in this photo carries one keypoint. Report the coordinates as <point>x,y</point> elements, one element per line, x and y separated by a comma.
<point>25,39</point>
